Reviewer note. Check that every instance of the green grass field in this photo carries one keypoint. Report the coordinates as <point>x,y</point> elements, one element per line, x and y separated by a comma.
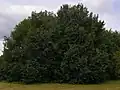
<point>113,85</point>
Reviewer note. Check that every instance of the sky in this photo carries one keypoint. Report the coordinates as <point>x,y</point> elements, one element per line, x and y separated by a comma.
<point>14,11</point>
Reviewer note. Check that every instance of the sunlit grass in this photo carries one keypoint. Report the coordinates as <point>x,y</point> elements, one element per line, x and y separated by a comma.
<point>112,85</point>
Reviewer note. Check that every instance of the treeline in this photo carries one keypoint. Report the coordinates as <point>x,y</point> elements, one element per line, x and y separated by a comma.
<point>72,46</point>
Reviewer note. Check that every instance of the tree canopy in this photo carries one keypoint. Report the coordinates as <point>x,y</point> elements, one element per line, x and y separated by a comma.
<point>72,46</point>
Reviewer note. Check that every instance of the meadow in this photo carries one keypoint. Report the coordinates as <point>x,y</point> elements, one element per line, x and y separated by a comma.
<point>113,85</point>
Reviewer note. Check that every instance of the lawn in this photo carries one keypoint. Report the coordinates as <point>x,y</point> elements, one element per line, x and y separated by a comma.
<point>114,85</point>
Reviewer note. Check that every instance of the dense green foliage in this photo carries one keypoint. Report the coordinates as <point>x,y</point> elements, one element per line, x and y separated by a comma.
<point>70,47</point>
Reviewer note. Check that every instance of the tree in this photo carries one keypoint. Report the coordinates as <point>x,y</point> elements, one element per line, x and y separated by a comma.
<point>70,47</point>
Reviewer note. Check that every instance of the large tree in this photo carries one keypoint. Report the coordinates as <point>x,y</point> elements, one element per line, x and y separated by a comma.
<point>70,47</point>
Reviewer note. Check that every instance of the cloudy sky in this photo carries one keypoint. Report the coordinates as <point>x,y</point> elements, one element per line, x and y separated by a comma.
<point>13,11</point>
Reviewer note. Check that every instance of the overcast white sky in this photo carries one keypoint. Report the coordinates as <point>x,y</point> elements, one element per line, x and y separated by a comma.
<point>13,11</point>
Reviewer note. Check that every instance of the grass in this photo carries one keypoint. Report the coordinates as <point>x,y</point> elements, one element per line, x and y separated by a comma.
<point>112,85</point>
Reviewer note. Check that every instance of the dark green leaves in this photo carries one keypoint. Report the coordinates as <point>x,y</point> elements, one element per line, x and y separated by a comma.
<point>70,47</point>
